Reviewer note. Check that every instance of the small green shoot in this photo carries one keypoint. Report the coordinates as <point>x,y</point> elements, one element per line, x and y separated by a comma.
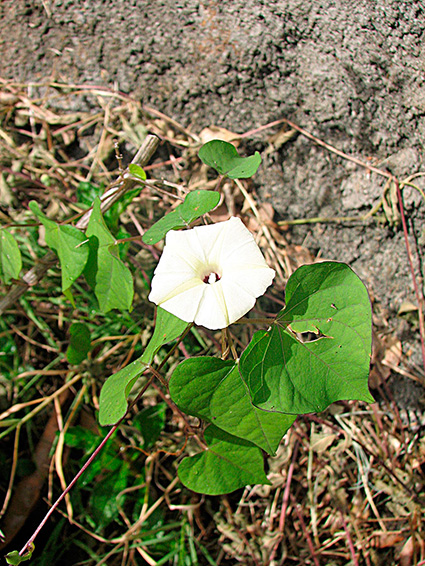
<point>224,158</point>
<point>137,171</point>
<point>15,558</point>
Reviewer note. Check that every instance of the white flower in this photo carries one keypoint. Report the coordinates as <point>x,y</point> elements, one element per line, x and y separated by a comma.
<point>210,275</point>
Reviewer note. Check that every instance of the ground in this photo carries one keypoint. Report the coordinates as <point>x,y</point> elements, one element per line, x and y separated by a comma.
<point>351,74</point>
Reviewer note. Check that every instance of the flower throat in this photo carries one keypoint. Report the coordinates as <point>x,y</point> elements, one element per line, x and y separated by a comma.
<point>211,278</point>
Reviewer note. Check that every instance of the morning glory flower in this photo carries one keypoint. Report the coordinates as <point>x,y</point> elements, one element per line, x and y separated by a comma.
<point>210,275</point>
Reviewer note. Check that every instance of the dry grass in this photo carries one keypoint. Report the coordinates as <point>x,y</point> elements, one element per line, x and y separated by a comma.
<point>347,485</point>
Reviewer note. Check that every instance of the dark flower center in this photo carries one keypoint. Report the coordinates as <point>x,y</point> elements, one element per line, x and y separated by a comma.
<point>212,277</point>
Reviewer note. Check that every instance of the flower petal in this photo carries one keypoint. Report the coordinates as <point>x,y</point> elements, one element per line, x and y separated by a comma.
<point>210,275</point>
<point>212,310</point>
<point>168,285</point>
<point>184,302</point>
<point>238,300</point>
<point>181,254</point>
<point>241,247</point>
<point>253,279</point>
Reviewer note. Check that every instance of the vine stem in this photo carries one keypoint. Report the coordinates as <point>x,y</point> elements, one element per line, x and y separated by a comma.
<point>29,546</point>
<point>412,270</point>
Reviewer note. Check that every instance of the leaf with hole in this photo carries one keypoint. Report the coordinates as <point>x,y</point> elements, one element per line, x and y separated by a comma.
<point>288,374</point>
<point>212,389</point>
<point>224,158</point>
<point>10,257</point>
<point>194,206</point>
<point>229,463</point>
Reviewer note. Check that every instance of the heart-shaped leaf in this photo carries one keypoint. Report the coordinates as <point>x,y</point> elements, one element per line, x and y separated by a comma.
<point>225,159</point>
<point>194,206</point>
<point>229,463</point>
<point>212,389</point>
<point>289,375</point>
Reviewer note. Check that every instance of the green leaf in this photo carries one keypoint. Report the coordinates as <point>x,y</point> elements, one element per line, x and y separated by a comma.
<point>167,328</point>
<point>70,245</point>
<point>83,438</point>
<point>137,171</point>
<point>79,343</point>
<point>15,559</point>
<point>68,294</point>
<point>229,463</point>
<point>195,205</point>
<point>115,391</point>
<point>87,192</point>
<point>117,388</point>
<point>225,159</point>
<point>151,422</point>
<point>108,496</point>
<point>113,283</point>
<point>289,375</point>
<point>10,257</point>
<point>212,389</point>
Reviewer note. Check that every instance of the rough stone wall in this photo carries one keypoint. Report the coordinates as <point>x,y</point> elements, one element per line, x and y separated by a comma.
<point>353,73</point>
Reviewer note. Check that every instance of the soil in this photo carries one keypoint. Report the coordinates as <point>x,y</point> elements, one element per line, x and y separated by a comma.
<point>353,74</point>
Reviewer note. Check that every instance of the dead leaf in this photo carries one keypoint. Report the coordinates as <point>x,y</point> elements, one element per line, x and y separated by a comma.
<point>386,539</point>
<point>280,138</point>
<point>320,441</point>
<point>386,353</point>
<point>407,553</point>
<point>406,307</point>
<point>217,133</point>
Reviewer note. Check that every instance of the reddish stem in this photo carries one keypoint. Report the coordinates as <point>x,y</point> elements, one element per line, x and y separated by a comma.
<point>30,543</point>
<point>412,270</point>
<point>349,541</point>
<point>305,532</point>
<point>31,540</point>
